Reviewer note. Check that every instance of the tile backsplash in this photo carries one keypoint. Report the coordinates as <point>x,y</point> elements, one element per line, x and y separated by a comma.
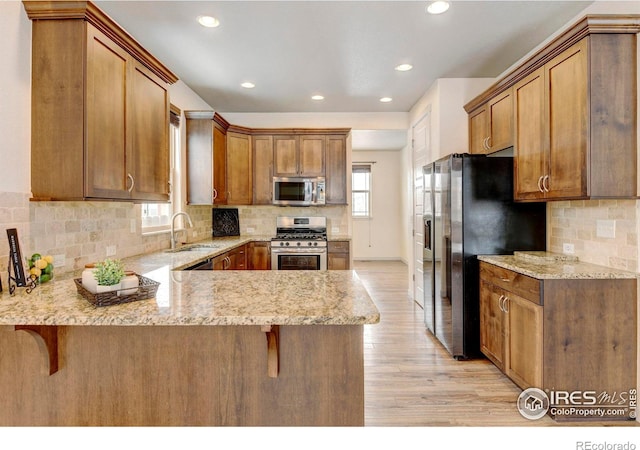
<point>603,232</point>
<point>77,233</point>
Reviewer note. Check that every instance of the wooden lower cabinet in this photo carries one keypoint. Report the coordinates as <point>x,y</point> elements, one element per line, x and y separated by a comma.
<point>560,335</point>
<point>184,376</point>
<point>234,259</point>
<point>338,255</point>
<point>259,255</point>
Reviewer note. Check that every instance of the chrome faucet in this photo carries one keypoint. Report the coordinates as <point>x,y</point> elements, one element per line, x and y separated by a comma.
<point>173,232</point>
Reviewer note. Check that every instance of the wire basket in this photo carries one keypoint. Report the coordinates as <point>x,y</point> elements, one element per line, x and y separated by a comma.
<point>146,289</point>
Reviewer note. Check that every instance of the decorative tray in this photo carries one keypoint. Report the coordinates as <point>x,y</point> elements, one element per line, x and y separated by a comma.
<point>147,288</point>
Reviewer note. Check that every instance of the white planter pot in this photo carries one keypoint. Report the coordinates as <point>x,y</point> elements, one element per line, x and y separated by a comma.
<point>115,287</point>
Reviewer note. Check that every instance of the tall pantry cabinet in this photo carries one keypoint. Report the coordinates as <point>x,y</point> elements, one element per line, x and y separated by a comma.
<point>100,108</point>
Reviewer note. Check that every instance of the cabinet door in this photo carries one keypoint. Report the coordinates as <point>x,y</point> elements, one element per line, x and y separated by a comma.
<point>221,262</point>
<point>336,170</point>
<point>311,156</point>
<point>500,122</point>
<point>262,170</point>
<point>219,165</point>
<point>492,323</point>
<point>566,88</point>
<point>338,255</point>
<point>523,355</point>
<point>478,131</point>
<point>530,144</point>
<point>199,161</point>
<point>239,171</point>
<point>259,256</point>
<point>237,258</point>
<point>148,124</point>
<point>285,155</point>
<point>106,106</point>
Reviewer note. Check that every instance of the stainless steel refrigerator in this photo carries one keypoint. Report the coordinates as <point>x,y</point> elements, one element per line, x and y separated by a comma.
<point>469,211</point>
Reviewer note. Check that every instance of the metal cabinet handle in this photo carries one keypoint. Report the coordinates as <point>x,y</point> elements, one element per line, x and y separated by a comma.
<point>489,143</point>
<point>500,303</point>
<point>133,182</point>
<point>505,305</point>
<point>484,143</point>
<point>215,195</point>
<point>545,183</point>
<point>540,184</point>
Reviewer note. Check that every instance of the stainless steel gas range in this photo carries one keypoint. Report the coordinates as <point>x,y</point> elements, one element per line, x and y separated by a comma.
<point>300,244</point>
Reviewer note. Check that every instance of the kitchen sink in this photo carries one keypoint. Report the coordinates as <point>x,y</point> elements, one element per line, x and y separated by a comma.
<point>194,248</point>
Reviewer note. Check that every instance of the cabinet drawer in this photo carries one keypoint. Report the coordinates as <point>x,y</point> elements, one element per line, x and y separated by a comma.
<point>338,246</point>
<point>522,285</point>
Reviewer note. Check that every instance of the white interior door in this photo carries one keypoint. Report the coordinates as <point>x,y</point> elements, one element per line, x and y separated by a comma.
<point>421,139</point>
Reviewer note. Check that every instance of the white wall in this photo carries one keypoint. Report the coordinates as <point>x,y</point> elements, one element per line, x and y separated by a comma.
<point>379,238</point>
<point>15,98</point>
<point>445,99</point>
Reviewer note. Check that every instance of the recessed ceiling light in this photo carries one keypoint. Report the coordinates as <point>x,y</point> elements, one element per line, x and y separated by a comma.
<point>248,85</point>
<point>437,7</point>
<point>404,67</point>
<point>317,97</point>
<point>386,99</point>
<point>208,21</point>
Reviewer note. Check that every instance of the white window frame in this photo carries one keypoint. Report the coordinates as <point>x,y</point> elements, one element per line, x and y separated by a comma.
<point>161,223</point>
<point>362,168</point>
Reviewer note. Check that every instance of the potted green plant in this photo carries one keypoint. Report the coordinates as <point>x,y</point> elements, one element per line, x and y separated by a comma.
<point>109,273</point>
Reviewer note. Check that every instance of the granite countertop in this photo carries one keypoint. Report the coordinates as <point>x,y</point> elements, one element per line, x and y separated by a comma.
<point>245,297</point>
<point>546,265</point>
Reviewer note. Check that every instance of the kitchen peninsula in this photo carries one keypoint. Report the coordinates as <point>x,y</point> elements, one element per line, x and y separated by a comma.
<point>236,348</point>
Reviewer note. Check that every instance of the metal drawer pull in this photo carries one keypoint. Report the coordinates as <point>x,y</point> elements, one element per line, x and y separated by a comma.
<point>133,183</point>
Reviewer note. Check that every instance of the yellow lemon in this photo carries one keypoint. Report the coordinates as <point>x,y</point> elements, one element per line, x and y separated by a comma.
<point>48,259</point>
<point>41,264</point>
<point>35,271</point>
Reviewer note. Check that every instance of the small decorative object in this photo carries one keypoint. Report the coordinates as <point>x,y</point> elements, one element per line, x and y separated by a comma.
<point>146,288</point>
<point>41,267</point>
<point>19,279</point>
<point>108,274</point>
<point>89,279</point>
<point>129,283</point>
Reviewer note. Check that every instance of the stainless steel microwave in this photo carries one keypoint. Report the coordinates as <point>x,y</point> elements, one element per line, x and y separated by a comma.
<point>298,191</point>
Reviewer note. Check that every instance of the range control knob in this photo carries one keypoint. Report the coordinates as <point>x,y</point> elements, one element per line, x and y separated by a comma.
<point>310,244</point>
<point>298,244</point>
<point>287,244</point>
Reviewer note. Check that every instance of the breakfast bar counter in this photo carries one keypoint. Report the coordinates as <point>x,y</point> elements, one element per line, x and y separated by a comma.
<point>236,348</point>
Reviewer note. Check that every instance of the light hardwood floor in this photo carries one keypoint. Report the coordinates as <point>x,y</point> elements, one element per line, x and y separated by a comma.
<point>411,380</point>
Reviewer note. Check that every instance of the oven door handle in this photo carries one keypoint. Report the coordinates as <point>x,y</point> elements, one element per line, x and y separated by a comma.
<point>299,250</point>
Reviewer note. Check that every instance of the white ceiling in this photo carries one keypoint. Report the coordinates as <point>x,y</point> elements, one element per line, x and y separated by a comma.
<point>344,50</point>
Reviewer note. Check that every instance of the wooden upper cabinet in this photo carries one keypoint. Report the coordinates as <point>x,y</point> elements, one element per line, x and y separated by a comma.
<point>574,114</point>
<point>311,156</point>
<point>206,158</point>
<point>107,150</point>
<point>575,133</point>
<point>285,156</point>
<point>100,109</point>
<point>478,131</point>
<point>530,165</point>
<point>239,169</point>
<point>229,164</point>
<point>336,170</point>
<point>262,170</point>
<point>299,155</point>
<point>148,122</point>
<point>500,122</point>
<point>491,125</point>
